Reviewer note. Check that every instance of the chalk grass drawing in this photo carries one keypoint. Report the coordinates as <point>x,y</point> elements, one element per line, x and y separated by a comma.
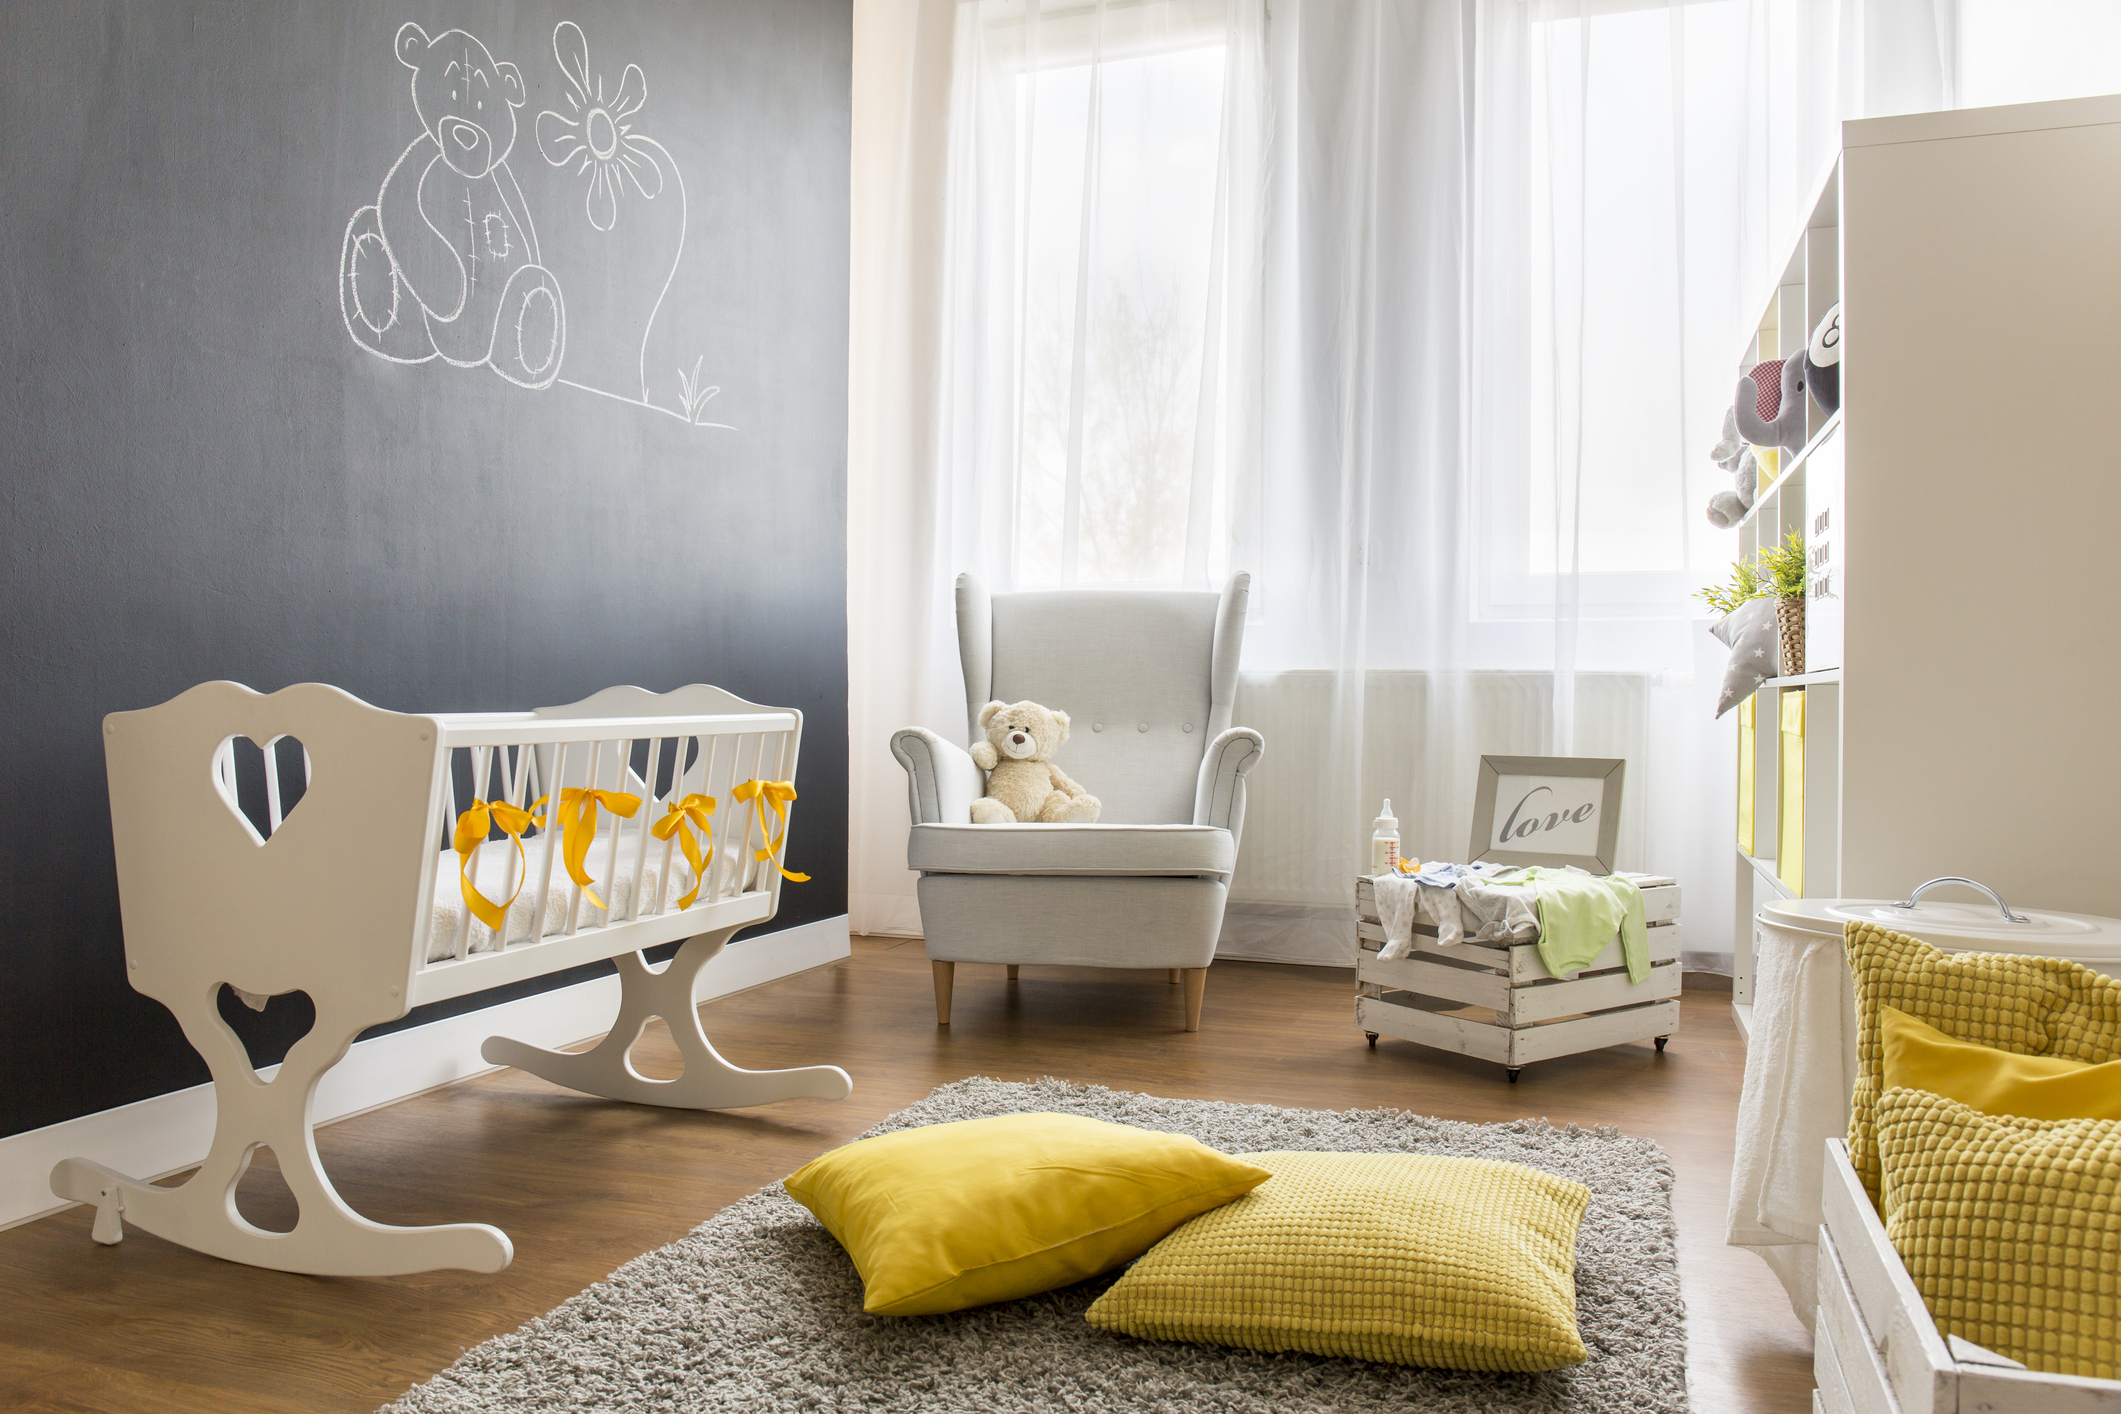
<point>447,262</point>
<point>692,398</point>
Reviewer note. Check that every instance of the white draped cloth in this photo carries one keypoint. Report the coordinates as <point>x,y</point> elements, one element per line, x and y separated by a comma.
<point>1800,1067</point>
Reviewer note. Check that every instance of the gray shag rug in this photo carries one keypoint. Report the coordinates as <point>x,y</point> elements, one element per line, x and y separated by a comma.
<point>758,1309</point>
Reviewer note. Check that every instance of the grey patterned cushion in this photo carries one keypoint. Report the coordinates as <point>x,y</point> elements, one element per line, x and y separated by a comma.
<point>1751,636</point>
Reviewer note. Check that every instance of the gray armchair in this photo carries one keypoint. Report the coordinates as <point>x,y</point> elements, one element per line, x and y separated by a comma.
<point>1148,678</point>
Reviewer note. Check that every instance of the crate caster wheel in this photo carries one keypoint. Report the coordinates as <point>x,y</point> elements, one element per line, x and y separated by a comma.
<point>1515,1071</point>
<point>1372,1035</point>
<point>1659,1043</point>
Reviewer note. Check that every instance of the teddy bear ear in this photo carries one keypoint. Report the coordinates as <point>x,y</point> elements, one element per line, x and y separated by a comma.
<point>1062,718</point>
<point>511,83</point>
<point>412,44</point>
<point>986,713</point>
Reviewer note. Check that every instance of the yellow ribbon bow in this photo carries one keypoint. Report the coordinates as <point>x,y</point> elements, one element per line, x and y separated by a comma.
<point>776,794</point>
<point>679,820</point>
<point>577,814</point>
<point>473,826</point>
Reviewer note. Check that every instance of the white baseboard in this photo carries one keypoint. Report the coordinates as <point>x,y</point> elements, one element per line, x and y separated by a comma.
<point>170,1133</point>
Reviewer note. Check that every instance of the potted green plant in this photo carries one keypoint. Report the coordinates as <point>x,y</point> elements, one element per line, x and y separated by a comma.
<point>1784,573</point>
<point>1744,587</point>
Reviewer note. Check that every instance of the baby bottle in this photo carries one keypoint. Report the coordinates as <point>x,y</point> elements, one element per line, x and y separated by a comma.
<point>1384,842</point>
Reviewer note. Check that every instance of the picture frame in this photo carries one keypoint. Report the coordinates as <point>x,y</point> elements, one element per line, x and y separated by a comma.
<point>1554,810</point>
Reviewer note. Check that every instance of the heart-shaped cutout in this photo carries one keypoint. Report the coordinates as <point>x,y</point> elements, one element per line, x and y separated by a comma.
<point>261,785</point>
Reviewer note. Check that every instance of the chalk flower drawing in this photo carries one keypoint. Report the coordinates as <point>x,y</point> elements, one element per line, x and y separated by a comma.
<point>599,139</point>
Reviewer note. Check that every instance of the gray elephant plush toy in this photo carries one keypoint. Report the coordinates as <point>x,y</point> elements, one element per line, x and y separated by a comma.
<point>1822,363</point>
<point>1727,508</point>
<point>1770,404</point>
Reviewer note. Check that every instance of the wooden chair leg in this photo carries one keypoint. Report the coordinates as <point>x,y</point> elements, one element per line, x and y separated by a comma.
<point>1196,986</point>
<point>1174,977</point>
<point>1012,972</point>
<point>945,973</point>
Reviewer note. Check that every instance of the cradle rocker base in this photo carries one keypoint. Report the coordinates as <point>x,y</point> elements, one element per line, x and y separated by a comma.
<point>331,1239</point>
<point>709,1081</point>
<point>328,1238</point>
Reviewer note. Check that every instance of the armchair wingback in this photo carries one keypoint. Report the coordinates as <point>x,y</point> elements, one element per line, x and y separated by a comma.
<point>1148,679</point>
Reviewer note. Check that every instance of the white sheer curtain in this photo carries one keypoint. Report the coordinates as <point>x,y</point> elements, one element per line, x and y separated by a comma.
<point>1093,227</point>
<point>1425,312</point>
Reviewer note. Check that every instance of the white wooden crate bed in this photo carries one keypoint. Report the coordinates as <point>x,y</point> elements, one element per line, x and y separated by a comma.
<point>344,883</point>
<point>1529,1014</point>
<point>1875,1349</point>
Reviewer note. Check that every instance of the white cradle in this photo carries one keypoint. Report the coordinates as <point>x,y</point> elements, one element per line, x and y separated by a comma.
<point>336,896</point>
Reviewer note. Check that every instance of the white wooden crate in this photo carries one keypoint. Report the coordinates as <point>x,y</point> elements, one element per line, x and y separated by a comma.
<point>1534,1015</point>
<point>1875,1349</point>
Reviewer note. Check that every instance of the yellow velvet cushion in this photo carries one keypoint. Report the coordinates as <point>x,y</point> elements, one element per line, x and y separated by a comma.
<point>956,1215</point>
<point>1409,1258</point>
<point>2010,1227</point>
<point>2029,1006</point>
<point>1919,1057</point>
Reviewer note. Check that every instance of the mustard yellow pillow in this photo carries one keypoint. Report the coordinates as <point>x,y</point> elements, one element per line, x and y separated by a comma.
<point>1919,1057</point>
<point>1408,1258</point>
<point>2029,1006</point>
<point>2010,1227</point>
<point>956,1215</point>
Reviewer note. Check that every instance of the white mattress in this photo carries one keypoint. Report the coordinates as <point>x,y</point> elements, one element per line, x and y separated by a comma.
<point>494,870</point>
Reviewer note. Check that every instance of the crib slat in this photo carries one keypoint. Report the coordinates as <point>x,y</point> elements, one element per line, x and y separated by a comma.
<point>574,903</point>
<point>679,772</point>
<point>718,867</point>
<point>550,833</point>
<point>618,828</point>
<point>478,769</point>
<point>783,769</point>
<point>640,855</point>
<point>273,813</point>
<point>752,867</point>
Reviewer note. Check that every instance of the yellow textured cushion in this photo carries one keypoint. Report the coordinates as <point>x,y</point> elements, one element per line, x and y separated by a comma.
<point>1919,1057</point>
<point>1410,1258</point>
<point>957,1215</point>
<point>2009,1226</point>
<point>2029,1006</point>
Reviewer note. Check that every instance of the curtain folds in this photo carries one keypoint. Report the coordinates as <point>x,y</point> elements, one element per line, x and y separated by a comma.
<point>1425,312</point>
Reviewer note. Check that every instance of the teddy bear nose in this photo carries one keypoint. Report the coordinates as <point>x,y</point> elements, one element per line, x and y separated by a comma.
<point>1017,737</point>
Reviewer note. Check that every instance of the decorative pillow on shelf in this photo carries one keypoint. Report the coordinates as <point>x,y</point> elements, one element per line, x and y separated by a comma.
<point>1413,1259</point>
<point>2029,1006</point>
<point>1750,632</point>
<point>2010,1227</point>
<point>1996,1082</point>
<point>956,1215</point>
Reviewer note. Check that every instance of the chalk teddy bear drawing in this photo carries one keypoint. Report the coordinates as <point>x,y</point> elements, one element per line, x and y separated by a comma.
<point>447,263</point>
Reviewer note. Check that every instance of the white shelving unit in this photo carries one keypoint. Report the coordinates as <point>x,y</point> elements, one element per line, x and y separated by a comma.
<point>1962,679</point>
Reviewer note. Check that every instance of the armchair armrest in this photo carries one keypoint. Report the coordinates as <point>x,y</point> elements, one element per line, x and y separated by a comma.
<point>1220,797</point>
<point>941,781</point>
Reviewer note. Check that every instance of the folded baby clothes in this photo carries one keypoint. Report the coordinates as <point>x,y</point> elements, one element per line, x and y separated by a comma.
<point>1499,907</point>
<point>1578,915</point>
<point>1570,914</point>
<point>1447,898</point>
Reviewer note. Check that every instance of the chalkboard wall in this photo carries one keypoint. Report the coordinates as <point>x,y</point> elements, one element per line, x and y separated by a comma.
<point>466,356</point>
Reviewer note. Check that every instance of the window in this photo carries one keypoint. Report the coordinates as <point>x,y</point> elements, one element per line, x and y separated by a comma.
<point>1114,115</point>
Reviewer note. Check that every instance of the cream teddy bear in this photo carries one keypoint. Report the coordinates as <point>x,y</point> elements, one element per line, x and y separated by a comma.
<point>1023,784</point>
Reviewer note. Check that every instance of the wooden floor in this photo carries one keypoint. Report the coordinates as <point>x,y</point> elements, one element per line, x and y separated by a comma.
<point>582,1185</point>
